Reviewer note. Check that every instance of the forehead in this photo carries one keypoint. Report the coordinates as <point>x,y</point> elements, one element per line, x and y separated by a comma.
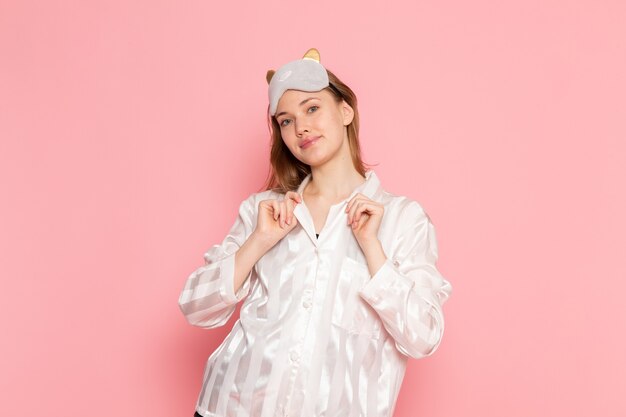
<point>293,98</point>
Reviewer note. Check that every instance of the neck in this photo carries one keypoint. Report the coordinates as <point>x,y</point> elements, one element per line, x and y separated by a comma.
<point>333,182</point>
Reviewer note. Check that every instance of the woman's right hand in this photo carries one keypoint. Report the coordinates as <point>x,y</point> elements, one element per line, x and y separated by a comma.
<point>276,217</point>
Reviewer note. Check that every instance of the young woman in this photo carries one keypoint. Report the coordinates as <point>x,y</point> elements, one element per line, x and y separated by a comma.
<point>338,275</point>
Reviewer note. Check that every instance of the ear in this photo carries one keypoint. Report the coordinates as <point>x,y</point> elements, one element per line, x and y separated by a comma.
<point>348,113</point>
<point>269,75</point>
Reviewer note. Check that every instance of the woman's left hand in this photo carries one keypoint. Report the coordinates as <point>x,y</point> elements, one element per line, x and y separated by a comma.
<point>364,218</point>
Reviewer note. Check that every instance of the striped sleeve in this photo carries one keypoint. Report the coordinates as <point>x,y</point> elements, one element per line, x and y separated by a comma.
<point>408,291</point>
<point>208,298</point>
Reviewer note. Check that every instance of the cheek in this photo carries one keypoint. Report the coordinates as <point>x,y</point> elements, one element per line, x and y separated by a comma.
<point>335,119</point>
<point>290,141</point>
<point>334,124</point>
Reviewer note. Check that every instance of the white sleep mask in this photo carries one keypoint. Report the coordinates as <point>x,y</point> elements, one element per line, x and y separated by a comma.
<point>306,74</point>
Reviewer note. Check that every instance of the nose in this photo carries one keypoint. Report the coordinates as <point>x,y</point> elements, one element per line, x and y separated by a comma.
<point>301,127</point>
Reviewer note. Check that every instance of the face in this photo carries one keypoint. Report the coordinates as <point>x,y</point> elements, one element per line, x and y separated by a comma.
<point>303,116</point>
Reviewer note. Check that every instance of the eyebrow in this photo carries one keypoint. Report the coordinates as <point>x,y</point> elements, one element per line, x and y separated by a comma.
<point>301,103</point>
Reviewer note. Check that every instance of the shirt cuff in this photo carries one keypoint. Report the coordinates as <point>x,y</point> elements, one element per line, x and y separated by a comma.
<point>227,282</point>
<point>384,278</point>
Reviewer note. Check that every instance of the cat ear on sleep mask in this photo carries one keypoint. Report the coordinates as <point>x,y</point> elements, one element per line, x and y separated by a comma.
<point>305,74</point>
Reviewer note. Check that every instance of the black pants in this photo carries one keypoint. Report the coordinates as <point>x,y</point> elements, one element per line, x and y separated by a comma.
<point>196,414</point>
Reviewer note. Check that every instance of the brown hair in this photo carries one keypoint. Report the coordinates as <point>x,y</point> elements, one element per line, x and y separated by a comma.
<point>286,171</point>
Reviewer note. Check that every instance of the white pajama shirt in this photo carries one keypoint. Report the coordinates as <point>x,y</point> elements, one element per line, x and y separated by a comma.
<point>318,335</point>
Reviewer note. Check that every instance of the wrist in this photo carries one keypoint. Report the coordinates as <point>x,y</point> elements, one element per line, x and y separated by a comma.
<point>371,246</point>
<point>260,242</point>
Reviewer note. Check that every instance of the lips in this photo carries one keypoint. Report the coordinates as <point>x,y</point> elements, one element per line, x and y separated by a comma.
<point>308,141</point>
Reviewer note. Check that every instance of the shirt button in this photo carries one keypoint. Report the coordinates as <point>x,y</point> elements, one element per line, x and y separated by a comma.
<point>294,356</point>
<point>306,303</point>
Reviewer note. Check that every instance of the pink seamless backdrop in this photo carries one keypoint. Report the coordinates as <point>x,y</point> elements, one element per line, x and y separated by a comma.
<point>130,131</point>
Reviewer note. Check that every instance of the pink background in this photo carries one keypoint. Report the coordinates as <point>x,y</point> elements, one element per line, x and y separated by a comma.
<point>131,131</point>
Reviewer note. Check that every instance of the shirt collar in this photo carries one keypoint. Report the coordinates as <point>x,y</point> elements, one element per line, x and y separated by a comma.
<point>368,188</point>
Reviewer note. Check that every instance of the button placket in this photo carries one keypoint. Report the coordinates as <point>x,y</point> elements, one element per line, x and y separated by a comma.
<point>307,298</point>
<point>299,351</point>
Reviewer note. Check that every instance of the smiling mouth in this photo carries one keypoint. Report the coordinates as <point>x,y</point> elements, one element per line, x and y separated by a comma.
<point>308,142</point>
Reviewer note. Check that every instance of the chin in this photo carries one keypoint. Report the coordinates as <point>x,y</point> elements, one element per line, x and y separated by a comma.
<point>315,162</point>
